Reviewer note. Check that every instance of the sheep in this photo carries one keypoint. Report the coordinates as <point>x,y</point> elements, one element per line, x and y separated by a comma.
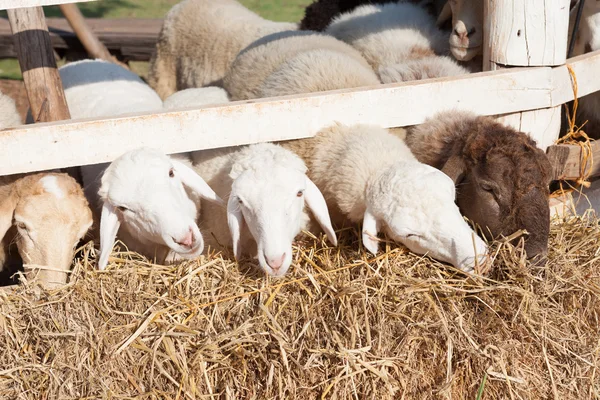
<point>45,215</point>
<point>200,39</point>
<point>367,174</point>
<point>296,62</point>
<point>466,39</point>
<point>266,189</point>
<point>96,88</point>
<point>400,37</point>
<point>319,14</point>
<point>153,200</point>
<point>9,116</point>
<point>502,177</point>
<point>196,97</point>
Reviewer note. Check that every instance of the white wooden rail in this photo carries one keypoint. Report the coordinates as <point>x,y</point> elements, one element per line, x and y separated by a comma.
<point>80,142</point>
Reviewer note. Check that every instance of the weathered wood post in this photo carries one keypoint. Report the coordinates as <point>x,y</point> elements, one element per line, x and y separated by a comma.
<point>527,33</point>
<point>38,66</point>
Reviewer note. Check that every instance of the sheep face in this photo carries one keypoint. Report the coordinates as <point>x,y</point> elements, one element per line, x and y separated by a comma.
<point>503,183</point>
<point>269,201</point>
<point>147,193</point>
<point>414,204</point>
<point>51,216</point>
<point>466,39</point>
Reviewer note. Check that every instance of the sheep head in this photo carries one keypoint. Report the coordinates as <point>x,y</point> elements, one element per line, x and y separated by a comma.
<point>269,192</point>
<point>146,192</point>
<point>503,182</point>
<point>414,204</point>
<point>51,216</point>
<point>466,39</point>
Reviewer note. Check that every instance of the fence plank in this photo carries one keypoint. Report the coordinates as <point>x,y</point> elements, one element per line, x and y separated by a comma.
<point>566,161</point>
<point>10,4</point>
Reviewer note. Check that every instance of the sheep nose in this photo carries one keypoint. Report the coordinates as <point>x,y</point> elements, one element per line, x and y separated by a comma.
<point>275,263</point>
<point>187,240</point>
<point>463,33</point>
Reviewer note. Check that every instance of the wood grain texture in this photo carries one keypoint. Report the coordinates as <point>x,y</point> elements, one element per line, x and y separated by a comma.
<point>566,161</point>
<point>36,59</point>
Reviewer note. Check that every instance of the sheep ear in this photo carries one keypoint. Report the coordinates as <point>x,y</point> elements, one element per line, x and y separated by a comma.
<point>235,220</point>
<point>445,14</point>
<point>318,206</point>
<point>109,226</point>
<point>370,230</point>
<point>7,210</point>
<point>191,179</point>
<point>455,169</point>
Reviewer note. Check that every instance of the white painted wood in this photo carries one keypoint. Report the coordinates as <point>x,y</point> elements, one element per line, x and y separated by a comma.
<point>54,145</point>
<point>11,4</point>
<point>526,32</point>
<point>71,143</point>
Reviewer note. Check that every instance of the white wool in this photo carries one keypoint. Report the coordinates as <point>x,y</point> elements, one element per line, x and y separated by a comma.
<point>9,116</point>
<point>195,97</point>
<point>50,184</point>
<point>266,190</point>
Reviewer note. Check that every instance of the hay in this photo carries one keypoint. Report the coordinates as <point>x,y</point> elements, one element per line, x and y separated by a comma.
<point>339,326</point>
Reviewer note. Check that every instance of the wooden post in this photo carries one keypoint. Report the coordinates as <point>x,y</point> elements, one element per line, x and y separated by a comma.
<point>36,58</point>
<point>93,46</point>
<point>527,33</point>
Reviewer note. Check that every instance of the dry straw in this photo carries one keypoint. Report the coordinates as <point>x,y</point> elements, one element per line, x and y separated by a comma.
<point>339,326</point>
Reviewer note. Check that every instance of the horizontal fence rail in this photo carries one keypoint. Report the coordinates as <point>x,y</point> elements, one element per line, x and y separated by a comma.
<point>11,4</point>
<point>82,142</point>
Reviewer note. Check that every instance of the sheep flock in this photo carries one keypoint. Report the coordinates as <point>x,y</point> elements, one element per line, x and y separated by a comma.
<point>418,262</point>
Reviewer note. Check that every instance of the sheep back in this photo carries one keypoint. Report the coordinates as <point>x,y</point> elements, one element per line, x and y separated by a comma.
<point>262,58</point>
<point>199,40</point>
<point>9,116</point>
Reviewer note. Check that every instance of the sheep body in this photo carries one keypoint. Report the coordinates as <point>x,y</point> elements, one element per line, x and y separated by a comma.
<point>9,116</point>
<point>366,174</point>
<point>196,97</point>
<point>390,33</point>
<point>502,175</point>
<point>199,40</point>
<point>296,62</point>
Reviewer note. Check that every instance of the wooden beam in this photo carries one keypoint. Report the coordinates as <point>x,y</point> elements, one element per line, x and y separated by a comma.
<point>566,161</point>
<point>36,59</point>
<point>12,4</point>
<point>93,46</point>
<point>56,145</point>
<point>528,33</point>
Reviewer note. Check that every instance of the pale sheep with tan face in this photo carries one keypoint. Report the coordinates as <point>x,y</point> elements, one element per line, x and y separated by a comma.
<point>45,215</point>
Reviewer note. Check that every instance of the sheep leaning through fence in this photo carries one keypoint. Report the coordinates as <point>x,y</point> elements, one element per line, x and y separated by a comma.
<point>42,215</point>
<point>199,40</point>
<point>502,177</point>
<point>367,174</point>
<point>266,189</point>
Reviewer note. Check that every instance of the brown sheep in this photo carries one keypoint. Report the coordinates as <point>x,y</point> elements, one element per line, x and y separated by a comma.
<point>501,176</point>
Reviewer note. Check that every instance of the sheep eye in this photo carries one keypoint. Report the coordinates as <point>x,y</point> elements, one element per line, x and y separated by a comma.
<point>122,209</point>
<point>21,225</point>
<point>487,187</point>
<point>240,201</point>
<point>300,193</point>
<point>171,173</point>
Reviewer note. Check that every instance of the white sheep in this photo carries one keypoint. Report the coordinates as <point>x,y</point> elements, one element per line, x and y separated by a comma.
<point>96,88</point>
<point>199,40</point>
<point>196,97</point>
<point>266,189</point>
<point>153,198</point>
<point>466,38</point>
<point>296,62</point>
<point>369,175</point>
<point>400,36</point>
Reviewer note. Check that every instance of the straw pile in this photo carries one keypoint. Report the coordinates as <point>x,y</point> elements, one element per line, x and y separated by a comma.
<point>339,326</point>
